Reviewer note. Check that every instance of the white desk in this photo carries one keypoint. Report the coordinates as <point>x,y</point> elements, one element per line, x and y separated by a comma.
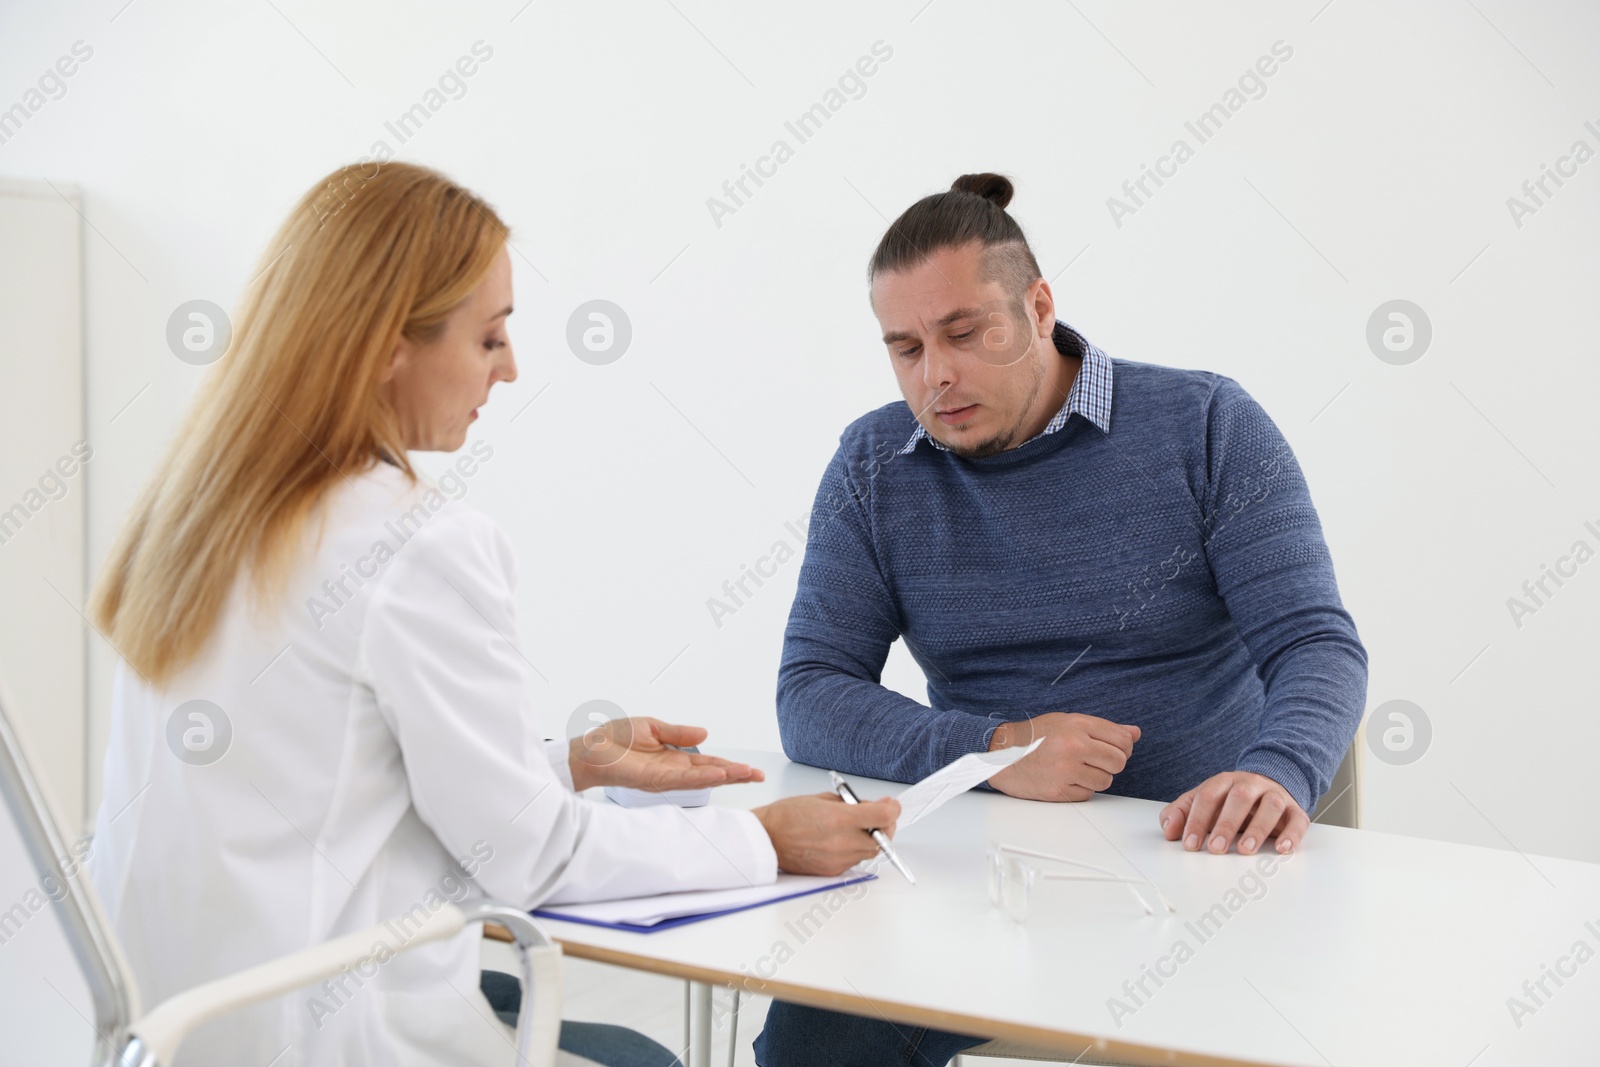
<point>1364,949</point>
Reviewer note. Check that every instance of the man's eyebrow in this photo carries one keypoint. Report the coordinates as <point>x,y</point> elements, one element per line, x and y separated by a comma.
<point>946,319</point>
<point>958,314</point>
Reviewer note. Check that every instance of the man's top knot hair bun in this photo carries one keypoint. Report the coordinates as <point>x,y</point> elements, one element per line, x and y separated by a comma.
<point>995,188</point>
<point>972,209</point>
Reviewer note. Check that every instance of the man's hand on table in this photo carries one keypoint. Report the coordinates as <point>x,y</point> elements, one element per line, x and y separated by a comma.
<point>821,834</point>
<point>1242,804</point>
<point>1079,756</point>
<point>646,753</point>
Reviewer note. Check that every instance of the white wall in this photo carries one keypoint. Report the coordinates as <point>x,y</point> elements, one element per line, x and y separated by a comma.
<point>1376,166</point>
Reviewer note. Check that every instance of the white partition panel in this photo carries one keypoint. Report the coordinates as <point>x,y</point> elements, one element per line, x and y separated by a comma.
<point>44,465</point>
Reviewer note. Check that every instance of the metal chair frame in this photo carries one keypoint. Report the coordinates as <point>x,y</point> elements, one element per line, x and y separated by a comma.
<point>131,1037</point>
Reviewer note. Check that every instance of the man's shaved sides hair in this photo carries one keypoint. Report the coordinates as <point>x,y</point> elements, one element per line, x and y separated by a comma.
<point>972,209</point>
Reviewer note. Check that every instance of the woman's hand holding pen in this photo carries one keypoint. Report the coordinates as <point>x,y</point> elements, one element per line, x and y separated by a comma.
<point>821,834</point>
<point>646,753</point>
<point>815,834</point>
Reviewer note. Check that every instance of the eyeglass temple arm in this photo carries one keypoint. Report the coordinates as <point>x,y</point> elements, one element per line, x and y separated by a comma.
<point>1131,883</point>
<point>1113,876</point>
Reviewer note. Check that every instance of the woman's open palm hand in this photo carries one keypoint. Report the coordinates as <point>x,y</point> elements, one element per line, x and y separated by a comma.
<point>646,753</point>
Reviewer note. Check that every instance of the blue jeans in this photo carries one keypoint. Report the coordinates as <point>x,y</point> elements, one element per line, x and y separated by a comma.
<point>796,1036</point>
<point>613,1046</point>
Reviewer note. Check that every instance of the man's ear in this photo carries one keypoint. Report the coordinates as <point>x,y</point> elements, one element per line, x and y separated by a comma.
<point>1044,308</point>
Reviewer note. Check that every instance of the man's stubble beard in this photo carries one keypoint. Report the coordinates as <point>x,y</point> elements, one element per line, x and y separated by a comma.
<point>1007,438</point>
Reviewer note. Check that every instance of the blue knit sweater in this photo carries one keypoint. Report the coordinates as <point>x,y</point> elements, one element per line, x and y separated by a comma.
<point>1168,571</point>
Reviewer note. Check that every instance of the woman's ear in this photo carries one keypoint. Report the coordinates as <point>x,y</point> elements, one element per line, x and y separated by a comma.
<point>402,354</point>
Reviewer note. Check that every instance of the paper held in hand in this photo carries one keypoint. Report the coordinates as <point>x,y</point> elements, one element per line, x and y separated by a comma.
<point>920,799</point>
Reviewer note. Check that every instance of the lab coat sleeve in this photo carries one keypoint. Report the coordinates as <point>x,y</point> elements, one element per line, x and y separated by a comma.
<point>439,648</point>
<point>556,753</point>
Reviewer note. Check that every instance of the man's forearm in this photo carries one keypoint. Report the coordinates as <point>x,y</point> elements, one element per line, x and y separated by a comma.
<point>1315,696</point>
<point>830,718</point>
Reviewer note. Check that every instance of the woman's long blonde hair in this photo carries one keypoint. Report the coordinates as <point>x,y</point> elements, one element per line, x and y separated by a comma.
<point>370,254</point>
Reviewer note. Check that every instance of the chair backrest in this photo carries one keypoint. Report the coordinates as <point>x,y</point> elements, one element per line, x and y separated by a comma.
<point>86,930</point>
<point>1341,804</point>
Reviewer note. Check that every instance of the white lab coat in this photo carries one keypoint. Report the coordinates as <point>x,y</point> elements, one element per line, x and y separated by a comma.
<point>382,743</point>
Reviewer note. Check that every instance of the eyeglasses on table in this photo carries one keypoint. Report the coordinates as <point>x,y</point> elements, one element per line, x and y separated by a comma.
<point>1013,881</point>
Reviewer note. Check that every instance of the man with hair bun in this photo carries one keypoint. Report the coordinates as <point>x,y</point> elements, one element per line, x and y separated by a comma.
<point>1138,576</point>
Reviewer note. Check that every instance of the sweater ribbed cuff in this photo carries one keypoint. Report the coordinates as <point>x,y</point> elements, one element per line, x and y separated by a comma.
<point>966,734</point>
<point>1282,770</point>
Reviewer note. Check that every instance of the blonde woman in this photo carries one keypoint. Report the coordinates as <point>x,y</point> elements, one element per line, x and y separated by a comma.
<point>322,718</point>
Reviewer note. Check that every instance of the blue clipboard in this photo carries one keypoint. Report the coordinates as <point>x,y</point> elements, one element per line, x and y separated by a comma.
<point>685,920</point>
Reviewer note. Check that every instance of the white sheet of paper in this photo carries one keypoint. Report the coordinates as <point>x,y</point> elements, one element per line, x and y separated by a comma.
<point>930,793</point>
